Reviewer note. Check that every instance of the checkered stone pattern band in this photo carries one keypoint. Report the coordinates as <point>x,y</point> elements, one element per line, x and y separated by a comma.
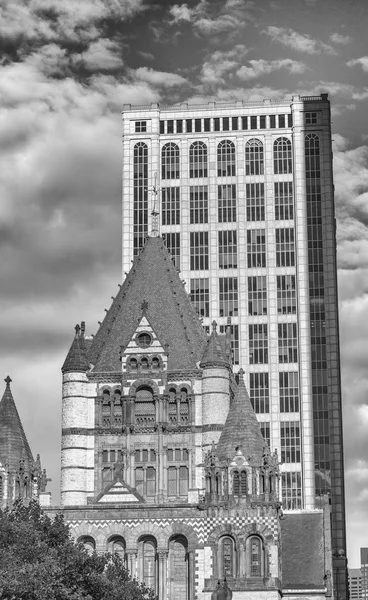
<point>202,527</point>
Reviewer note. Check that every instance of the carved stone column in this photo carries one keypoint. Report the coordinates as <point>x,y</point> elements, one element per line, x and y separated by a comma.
<point>162,574</point>
<point>132,562</point>
<point>191,580</point>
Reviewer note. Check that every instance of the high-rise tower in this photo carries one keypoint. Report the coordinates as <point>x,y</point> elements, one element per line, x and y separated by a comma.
<point>245,198</point>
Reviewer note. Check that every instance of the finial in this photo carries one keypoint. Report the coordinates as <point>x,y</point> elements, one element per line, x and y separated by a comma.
<point>144,306</point>
<point>214,325</point>
<point>77,329</point>
<point>83,328</point>
<point>155,212</point>
<point>241,373</point>
<point>7,381</point>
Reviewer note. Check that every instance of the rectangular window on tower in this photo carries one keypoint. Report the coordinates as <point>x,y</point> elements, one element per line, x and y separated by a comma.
<point>285,254</point>
<point>290,441</point>
<point>227,203</point>
<point>170,206</point>
<point>172,243</point>
<point>291,483</point>
<point>288,343</point>
<point>258,344</point>
<point>257,295</point>
<point>198,204</point>
<point>199,257</point>
<point>284,201</point>
<point>286,295</point>
<point>256,248</point>
<point>289,391</point>
<point>200,295</point>
<point>259,392</point>
<point>255,202</point>
<point>228,296</point>
<point>228,258</point>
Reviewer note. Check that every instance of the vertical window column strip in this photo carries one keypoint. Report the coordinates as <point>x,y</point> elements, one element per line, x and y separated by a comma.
<point>140,196</point>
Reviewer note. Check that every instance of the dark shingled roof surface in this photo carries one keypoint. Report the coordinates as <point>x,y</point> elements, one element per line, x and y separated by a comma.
<point>13,441</point>
<point>76,360</point>
<point>241,428</point>
<point>155,280</point>
<point>302,539</point>
<point>214,352</point>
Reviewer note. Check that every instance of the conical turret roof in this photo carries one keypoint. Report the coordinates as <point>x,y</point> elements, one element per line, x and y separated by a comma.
<point>76,360</point>
<point>241,428</point>
<point>153,284</point>
<point>13,441</point>
<point>214,354</point>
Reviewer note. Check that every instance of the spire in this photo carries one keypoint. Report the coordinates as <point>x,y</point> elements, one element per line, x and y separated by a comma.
<point>214,354</point>
<point>76,360</point>
<point>13,441</point>
<point>241,428</point>
<point>155,211</point>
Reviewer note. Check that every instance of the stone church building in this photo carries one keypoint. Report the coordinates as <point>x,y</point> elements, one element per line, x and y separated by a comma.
<point>163,459</point>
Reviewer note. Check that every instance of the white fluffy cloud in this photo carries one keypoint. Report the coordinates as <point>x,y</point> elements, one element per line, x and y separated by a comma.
<point>298,41</point>
<point>103,54</point>
<point>362,61</point>
<point>260,67</point>
<point>337,38</point>
<point>159,78</point>
<point>220,63</point>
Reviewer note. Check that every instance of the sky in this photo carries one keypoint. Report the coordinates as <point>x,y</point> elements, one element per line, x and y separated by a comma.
<point>66,69</point>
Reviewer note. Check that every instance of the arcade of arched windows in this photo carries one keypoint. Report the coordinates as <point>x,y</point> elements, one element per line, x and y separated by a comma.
<point>240,483</point>
<point>143,364</point>
<point>171,566</point>
<point>240,558</point>
<point>144,407</point>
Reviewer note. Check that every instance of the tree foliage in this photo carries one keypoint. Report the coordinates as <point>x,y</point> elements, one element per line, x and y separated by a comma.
<point>40,561</point>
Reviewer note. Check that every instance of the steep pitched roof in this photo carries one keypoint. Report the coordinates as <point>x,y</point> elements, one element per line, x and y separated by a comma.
<point>303,560</point>
<point>241,428</point>
<point>76,360</point>
<point>152,283</point>
<point>214,353</point>
<point>13,441</point>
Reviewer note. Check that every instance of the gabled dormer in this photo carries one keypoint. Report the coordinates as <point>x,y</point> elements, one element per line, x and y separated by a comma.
<point>145,354</point>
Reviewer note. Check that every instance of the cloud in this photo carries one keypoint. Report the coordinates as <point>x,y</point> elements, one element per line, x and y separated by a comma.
<point>146,55</point>
<point>103,54</point>
<point>261,67</point>
<point>298,41</point>
<point>337,38</point>
<point>362,61</point>
<point>58,20</point>
<point>208,20</point>
<point>220,63</point>
<point>159,78</point>
<point>180,13</point>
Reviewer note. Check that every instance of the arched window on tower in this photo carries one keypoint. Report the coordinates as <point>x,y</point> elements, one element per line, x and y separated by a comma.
<point>254,163</point>
<point>170,161</point>
<point>145,410</point>
<point>226,159</point>
<point>148,551</point>
<point>117,544</point>
<point>236,483</point>
<point>178,568</point>
<point>173,411</point>
<point>226,557</point>
<point>198,160</point>
<point>256,566</point>
<point>282,159</point>
<point>88,543</point>
<point>184,407</point>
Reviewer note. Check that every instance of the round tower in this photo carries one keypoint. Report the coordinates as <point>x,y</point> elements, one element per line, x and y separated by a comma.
<point>77,440</point>
<point>215,388</point>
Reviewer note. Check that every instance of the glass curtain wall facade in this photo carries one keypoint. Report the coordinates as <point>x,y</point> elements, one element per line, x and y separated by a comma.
<point>247,213</point>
